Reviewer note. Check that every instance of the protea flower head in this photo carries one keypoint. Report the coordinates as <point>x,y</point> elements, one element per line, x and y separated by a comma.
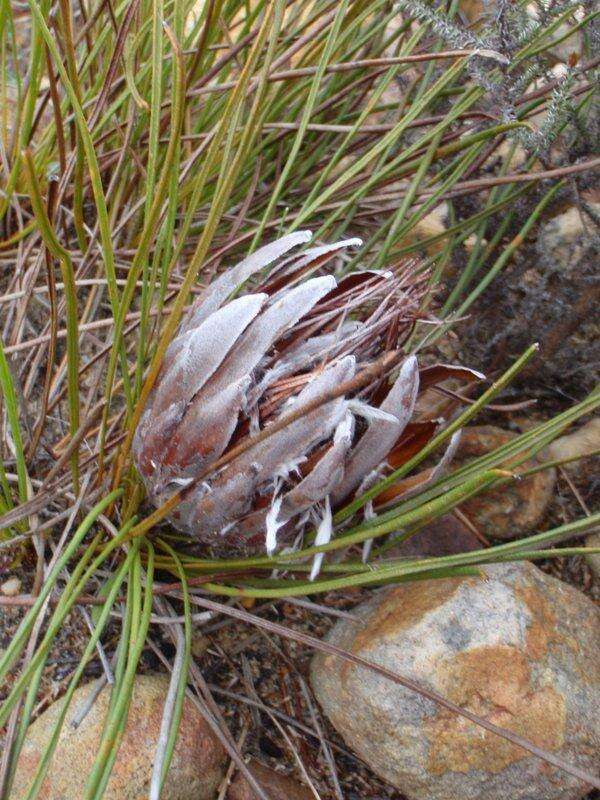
<point>242,360</point>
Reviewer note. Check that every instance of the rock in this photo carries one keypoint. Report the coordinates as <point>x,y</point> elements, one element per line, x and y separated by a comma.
<point>577,444</point>
<point>516,508</point>
<point>277,786</point>
<point>593,559</point>
<point>196,770</point>
<point>548,294</point>
<point>564,238</point>
<point>433,224</point>
<point>478,10</point>
<point>11,108</point>
<point>515,646</point>
<point>10,619</point>
<point>512,155</point>
<point>444,537</point>
<point>389,102</point>
<point>11,587</point>
<point>567,51</point>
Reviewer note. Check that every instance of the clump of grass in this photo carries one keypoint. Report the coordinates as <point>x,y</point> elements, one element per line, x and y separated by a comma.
<point>149,143</point>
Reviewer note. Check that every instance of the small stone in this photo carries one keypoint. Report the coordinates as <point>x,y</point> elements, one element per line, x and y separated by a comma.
<point>514,646</point>
<point>200,644</point>
<point>276,785</point>
<point>10,619</point>
<point>11,587</point>
<point>197,767</point>
<point>516,508</point>
<point>553,295</point>
<point>445,536</point>
<point>593,559</point>
<point>433,224</point>
<point>512,155</point>
<point>578,444</point>
<point>478,10</point>
<point>564,238</point>
<point>569,47</point>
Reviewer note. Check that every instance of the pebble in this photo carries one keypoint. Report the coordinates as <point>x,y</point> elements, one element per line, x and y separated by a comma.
<point>516,508</point>
<point>196,770</point>
<point>11,587</point>
<point>514,645</point>
<point>476,10</point>
<point>565,237</point>
<point>593,559</point>
<point>276,785</point>
<point>445,536</point>
<point>433,224</point>
<point>580,443</point>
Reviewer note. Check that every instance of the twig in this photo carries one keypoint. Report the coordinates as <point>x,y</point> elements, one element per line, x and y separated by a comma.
<point>349,66</point>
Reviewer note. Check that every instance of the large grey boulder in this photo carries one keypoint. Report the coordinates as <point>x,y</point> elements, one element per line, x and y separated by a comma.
<point>515,646</point>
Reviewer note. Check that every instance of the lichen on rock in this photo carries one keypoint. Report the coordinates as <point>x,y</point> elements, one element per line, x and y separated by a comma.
<point>514,646</point>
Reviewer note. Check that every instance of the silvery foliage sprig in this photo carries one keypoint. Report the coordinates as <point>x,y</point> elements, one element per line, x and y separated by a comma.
<point>508,28</point>
<point>485,47</point>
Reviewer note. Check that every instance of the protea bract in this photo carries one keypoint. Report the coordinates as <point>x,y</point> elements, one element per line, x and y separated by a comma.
<point>246,357</point>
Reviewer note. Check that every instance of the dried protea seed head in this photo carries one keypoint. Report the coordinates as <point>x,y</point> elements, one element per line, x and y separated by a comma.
<point>237,365</point>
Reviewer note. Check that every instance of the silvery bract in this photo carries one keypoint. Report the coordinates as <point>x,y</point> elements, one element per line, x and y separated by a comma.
<point>242,360</point>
